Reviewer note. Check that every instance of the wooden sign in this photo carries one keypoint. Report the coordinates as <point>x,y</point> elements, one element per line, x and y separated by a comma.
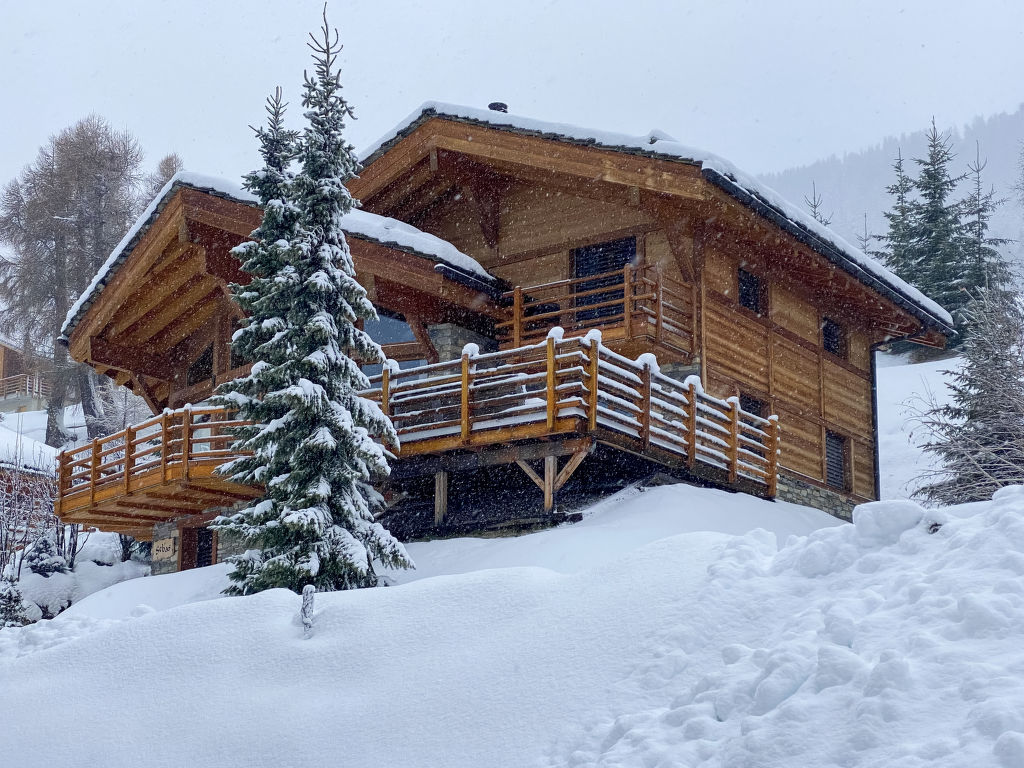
<point>164,549</point>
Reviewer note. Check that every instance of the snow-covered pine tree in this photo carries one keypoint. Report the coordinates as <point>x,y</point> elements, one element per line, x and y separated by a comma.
<point>979,435</point>
<point>896,242</point>
<point>12,606</point>
<point>313,444</point>
<point>42,557</point>
<point>937,261</point>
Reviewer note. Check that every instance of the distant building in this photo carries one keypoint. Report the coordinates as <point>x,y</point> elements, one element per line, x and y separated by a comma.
<point>22,388</point>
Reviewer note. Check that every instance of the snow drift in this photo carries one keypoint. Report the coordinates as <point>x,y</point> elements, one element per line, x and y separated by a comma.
<point>892,641</point>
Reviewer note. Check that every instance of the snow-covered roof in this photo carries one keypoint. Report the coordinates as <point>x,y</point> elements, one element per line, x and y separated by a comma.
<point>745,188</point>
<point>359,224</point>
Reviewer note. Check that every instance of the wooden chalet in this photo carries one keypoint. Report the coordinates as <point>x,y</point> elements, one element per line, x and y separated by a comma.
<point>561,307</point>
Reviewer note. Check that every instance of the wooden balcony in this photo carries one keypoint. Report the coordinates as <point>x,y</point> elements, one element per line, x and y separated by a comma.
<point>158,470</point>
<point>165,468</point>
<point>631,304</point>
<point>24,385</point>
<point>577,386</point>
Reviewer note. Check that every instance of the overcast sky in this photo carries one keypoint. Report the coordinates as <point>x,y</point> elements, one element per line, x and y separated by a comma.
<point>767,85</point>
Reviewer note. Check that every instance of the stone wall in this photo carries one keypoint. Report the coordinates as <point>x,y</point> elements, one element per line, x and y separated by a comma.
<point>799,492</point>
<point>449,339</point>
<point>228,544</point>
<point>166,546</point>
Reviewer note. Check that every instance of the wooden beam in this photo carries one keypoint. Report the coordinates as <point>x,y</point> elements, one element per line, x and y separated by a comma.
<point>570,467</point>
<point>530,473</point>
<point>440,497</point>
<point>550,470</point>
<point>135,360</point>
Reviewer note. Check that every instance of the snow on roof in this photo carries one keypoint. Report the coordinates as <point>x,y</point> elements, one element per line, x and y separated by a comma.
<point>718,171</point>
<point>360,224</point>
<point>20,451</point>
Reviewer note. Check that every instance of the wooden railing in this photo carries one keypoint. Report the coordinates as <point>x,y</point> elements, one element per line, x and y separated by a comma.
<point>574,385</point>
<point>629,303</point>
<point>171,446</point>
<point>24,385</point>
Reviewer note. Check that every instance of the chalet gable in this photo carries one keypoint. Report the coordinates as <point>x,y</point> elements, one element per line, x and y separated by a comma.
<point>444,151</point>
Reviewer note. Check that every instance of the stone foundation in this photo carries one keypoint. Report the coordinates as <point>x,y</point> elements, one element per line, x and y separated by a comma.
<point>228,545</point>
<point>449,339</point>
<point>166,545</point>
<point>799,492</point>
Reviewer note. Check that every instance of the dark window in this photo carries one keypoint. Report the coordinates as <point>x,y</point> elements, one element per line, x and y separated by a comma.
<point>751,293</point>
<point>204,547</point>
<point>753,406</point>
<point>836,448</point>
<point>599,260</point>
<point>201,368</point>
<point>376,368</point>
<point>388,329</point>
<point>833,337</point>
<point>236,359</point>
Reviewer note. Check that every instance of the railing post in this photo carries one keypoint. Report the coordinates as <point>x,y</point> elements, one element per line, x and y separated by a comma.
<point>186,440</point>
<point>94,469</point>
<point>645,406</point>
<point>734,440</point>
<point>129,437</point>
<point>385,389</point>
<point>691,428</point>
<point>62,482</point>
<point>552,390</point>
<point>594,371</point>
<point>627,304</point>
<point>773,456</point>
<point>517,317</point>
<point>164,445</point>
<point>659,308</point>
<point>464,411</point>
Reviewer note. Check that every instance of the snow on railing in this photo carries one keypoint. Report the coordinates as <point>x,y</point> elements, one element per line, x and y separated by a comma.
<point>564,385</point>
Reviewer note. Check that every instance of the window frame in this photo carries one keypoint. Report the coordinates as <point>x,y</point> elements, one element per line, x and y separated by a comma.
<point>842,337</point>
<point>845,446</point>
<point>760,291</point>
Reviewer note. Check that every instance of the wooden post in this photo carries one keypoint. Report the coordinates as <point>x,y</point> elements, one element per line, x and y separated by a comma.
<point>594,370</point>
<point>129,437</point>
<point>62,482</point>
<point>464,411</point>
<point>552,391</point>
<point>734,440</point>
<point>691,428</point>
<point>517,317</point>
<point>164,446</point>
<point>186,440</point>
<point>645,405</point>
<point>94,469</point>
<point>440,496</point>
<point>385,389</point>
<point>773,457</point>
<point>659,308</point>
<point>550,473</point>
<point>627,290</point>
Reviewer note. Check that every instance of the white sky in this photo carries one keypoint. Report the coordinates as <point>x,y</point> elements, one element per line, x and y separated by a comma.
<point>765,84</point>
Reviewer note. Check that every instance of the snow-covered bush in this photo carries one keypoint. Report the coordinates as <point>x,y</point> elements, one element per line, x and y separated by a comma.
<point>42,557</point>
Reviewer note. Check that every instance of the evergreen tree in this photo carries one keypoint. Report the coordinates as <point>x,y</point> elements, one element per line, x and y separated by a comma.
<point>979,435</point>
<point>936,258</point>
<point>814,204</point>
<point>12,606</point>
<point>313,444</point>
<point>42,557</point>
<point>895,251</point>
<point>986,266</point>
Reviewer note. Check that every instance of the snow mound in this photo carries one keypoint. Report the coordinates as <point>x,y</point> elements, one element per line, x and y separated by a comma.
<point>892,641</point>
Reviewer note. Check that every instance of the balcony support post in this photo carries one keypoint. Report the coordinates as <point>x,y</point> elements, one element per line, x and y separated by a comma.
<point>552,389</point>
<point>129,438</point>
<point>691,429</point>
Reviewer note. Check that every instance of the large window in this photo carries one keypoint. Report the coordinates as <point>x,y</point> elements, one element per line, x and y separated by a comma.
<point>201,368</point>
<point>837,450</point>
<point>751,291</point>
<point>601,259</point>
<point>389,329</point>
